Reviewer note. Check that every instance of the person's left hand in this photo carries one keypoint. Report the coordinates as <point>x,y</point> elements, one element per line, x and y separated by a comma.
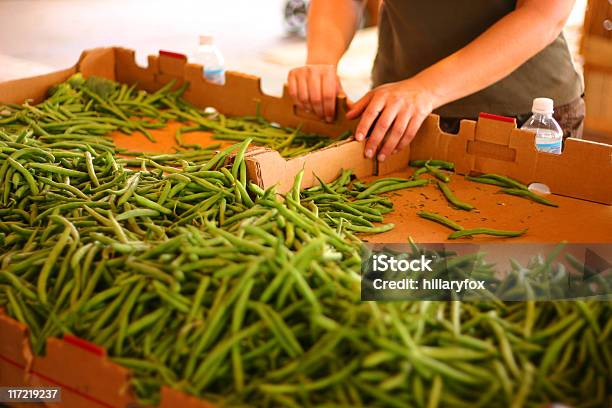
<point>399,108</point>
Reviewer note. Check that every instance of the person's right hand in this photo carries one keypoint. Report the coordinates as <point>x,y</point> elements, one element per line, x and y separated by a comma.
<point>314,88</point>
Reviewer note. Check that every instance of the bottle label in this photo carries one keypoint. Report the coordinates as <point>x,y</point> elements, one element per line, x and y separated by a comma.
<point>554,147</point>
<point>215,75</point>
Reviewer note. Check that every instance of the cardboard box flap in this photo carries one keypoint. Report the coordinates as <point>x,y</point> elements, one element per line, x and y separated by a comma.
<point>268,168</point>
<point>77,366</point>
<point>15,344</point>
<point>98,62</point>
<point>583,170</point>
<point>64,362</point>
<point>241,95</point>
<point>33,89</point>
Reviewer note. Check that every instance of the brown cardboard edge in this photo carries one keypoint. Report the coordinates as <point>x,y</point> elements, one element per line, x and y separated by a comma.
<point>482,146</point>
<point>17,348</point>
<point>77,370</point>
<point>582,171</point>
<point>32,88</point>
<point>268,168</point>
<point>82,370</point>
<point>241,95</point>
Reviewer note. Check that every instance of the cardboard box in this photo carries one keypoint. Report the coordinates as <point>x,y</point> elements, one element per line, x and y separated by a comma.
<point>596,51</point>
<point>492,144</point>
<point>81,369</point>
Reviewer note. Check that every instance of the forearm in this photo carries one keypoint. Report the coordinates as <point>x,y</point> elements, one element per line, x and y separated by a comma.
<point>329,35</point>
<point>493,55</point>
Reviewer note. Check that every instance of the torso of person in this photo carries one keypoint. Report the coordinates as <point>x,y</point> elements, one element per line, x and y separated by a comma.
<point>415,34</point>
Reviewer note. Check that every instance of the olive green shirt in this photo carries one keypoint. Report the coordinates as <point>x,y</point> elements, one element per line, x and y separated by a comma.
<point>415,34</point>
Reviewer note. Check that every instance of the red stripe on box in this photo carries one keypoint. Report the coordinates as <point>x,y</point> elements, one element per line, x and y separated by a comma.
<point>496,117</point>
<point>73,390</point>
<point>173,54</point>
<point>85,345</point>
<point>11,362</point>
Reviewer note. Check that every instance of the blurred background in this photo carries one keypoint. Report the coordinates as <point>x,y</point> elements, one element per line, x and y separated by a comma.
<point>263,38</point>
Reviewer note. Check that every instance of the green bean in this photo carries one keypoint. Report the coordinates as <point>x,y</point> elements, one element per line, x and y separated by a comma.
<point>283,334</point>
<point>506,181</point>
<point>26,174</point>
<point>382,185</point>
<point>152,205</point>
<point>448,194</point>
<point>440,220</point>
<point>91,170</point>
<point>528,194</point>
<point>485,231</point>
<point>49,264</point>
<point>401,185</point>
<point>552,352</point>
<point>144,322</point>
<point>15,307</point>
<point>359,220</point>
<point>505,348</point>
<point>111,309</point>
<point>150,270</point>
<point>124,315</point>
<point>484,180</point>
<point>311,386</point>
<point>437,173</point>
<point>50,168</point>
<point>436,163</point>
<point>138,212</point>
<point>436,391</point>
<point>100,298</point>
<point>366,229</point>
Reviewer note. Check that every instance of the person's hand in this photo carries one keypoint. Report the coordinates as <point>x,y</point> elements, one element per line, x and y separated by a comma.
<point>397,108</point>
<point>314,88</point>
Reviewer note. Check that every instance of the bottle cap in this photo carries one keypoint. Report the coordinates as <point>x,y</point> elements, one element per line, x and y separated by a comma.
<point>207,39</point>
<point>544,106</point>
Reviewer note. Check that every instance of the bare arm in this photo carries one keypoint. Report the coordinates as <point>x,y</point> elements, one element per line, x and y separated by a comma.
<point>331,27</point>
<point>329,34</point>
<point>501,49</point>
<point>402,107</point>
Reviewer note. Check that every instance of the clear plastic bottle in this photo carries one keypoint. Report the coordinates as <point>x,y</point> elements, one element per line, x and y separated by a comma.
<point>549,135</point>
<point>209,56</point>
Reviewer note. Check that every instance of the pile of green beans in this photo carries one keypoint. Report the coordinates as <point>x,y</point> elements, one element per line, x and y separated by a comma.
<point>353,206</point>
<point>289,142</point>
<point>91,108</point>
<point>194,278</point>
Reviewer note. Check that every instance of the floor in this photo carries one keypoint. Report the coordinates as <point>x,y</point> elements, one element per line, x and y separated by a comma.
<point>43,35</point>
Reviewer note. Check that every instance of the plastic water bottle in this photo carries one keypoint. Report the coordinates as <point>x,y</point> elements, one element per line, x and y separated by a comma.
<point>209,56</point>
<point>549,136</point>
